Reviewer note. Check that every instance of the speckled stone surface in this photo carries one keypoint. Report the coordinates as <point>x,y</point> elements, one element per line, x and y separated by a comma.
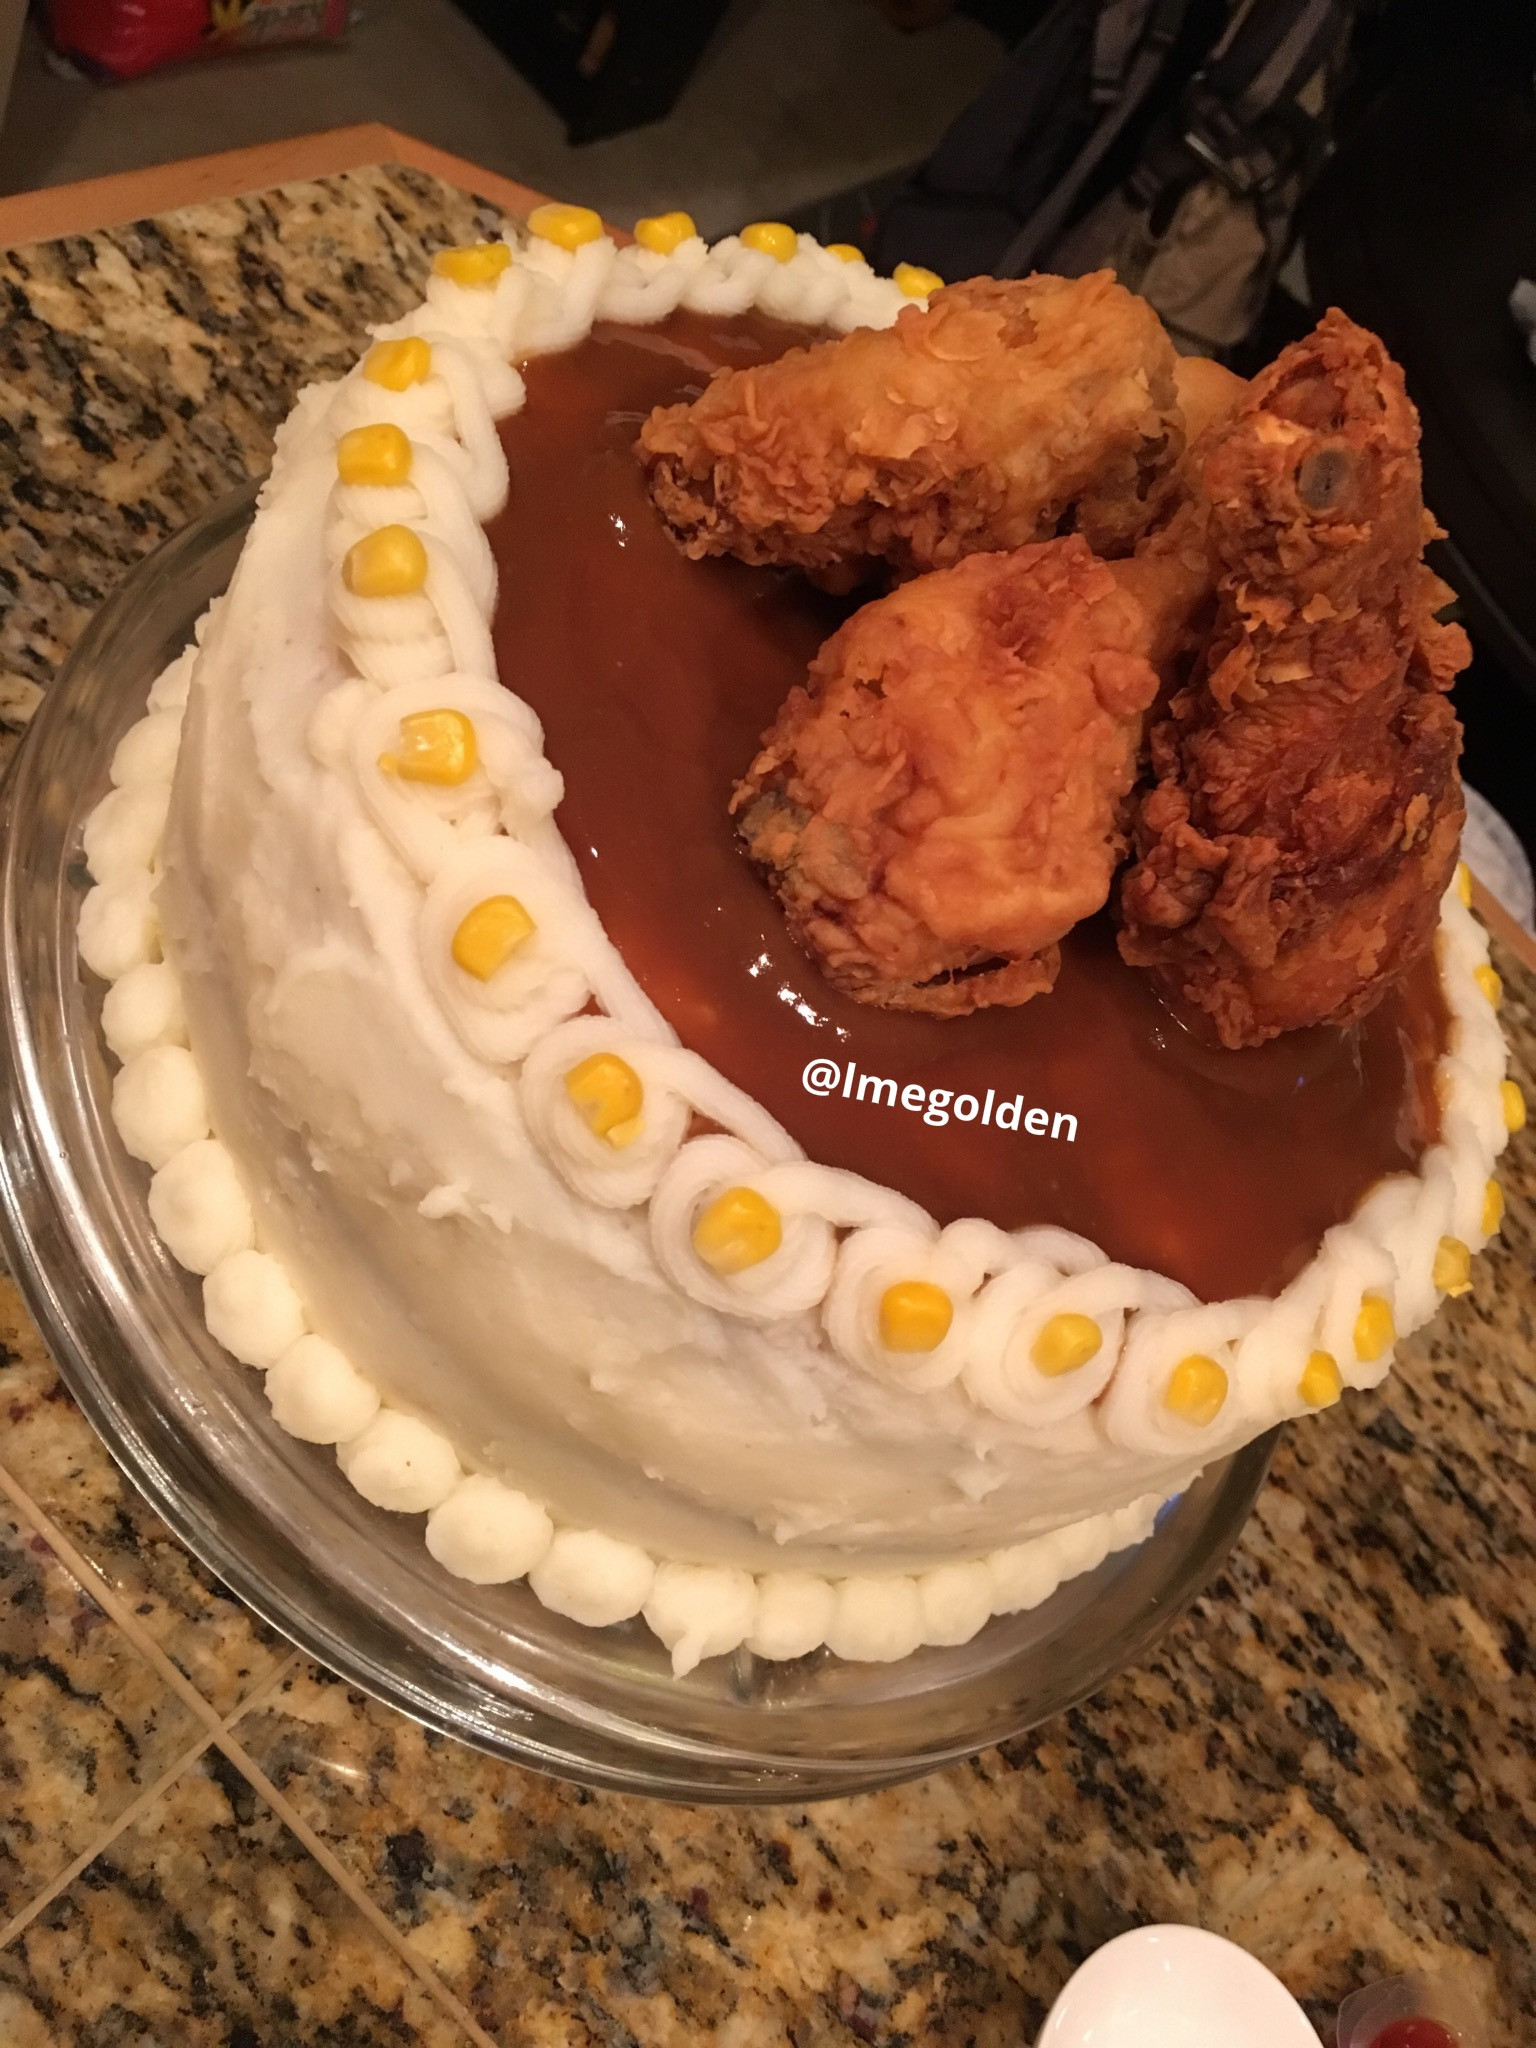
<point>144,369</point>
<point>56,1458</point>
<point>207,1925</point>
<point>86,1723</point>
<point>1330,1758</point>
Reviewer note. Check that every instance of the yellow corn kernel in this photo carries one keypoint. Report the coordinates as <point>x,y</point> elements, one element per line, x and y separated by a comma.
<point>845,252</point>
<point>915,1316</point>
<point>1487,979</point>
<point>1065,1343</point>
<point>1321,1382</point>
<point>664,232</point>
<point>374,455</point>
<point>1375,1331</point>
<point>489,935</point>
<point>1452,1270</point>
<point>1464,883</point>
<point>435,746</point>
<point>397,365</point>
<point>1493,1209</point>
<point>608,1095</point>
<point>476,267</point>
<point>389,562</point>
<point>739,1229</point>
<point>773,238</point>
<point>1196,1389</point>
<point>916,282</point>
<point>1513,1099</point>
<point>566,226</point>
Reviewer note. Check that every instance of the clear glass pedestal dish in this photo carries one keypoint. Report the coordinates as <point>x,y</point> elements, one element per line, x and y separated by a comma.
<point>275,1519</point>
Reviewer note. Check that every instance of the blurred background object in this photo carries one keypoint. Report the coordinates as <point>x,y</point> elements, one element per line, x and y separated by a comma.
<point>1169,140</point>
<point>1420,227</point>
<point>13,15</point>
<point>603,65</point>
<point>786,101</point>
<point>125,38</point>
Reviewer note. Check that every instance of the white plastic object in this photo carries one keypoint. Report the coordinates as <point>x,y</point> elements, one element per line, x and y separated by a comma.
<point>1175,1987</point>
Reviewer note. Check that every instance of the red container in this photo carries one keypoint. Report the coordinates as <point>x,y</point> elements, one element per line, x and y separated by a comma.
<point>125,38</point>
<point>1408,2012</point>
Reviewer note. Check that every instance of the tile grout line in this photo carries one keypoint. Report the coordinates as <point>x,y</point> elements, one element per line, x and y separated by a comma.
<point>264,1686</point>
<point>95,1583</point>
<point>19,1922</point>
<point>350,1886</point>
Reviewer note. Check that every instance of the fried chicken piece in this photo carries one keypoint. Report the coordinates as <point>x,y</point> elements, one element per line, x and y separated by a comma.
<point>1208,394</point>
<point>984,422</point>
<point>1306,808</point>
<point>942,800</point>
<point>1170,574</point>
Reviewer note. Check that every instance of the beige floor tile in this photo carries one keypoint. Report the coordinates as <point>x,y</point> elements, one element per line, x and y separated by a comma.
<point>208,1925</point>
<point>936,1912</point>
<point>57,1459</point>
<point>86,1724</point>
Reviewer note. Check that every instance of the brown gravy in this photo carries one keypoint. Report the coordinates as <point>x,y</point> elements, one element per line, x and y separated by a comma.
<point>654,677</point>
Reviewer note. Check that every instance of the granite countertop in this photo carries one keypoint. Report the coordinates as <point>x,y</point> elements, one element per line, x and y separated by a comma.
<point>205,1838</point>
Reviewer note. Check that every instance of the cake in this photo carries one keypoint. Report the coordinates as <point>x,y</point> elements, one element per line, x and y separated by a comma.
<point>520,1145</point>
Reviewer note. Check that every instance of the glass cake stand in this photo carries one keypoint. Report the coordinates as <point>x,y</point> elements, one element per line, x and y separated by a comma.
<point>275,1519</point>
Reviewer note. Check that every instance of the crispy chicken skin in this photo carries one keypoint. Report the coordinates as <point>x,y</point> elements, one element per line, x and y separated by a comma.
<point>942,800</point>
<point>1305,809</point>
<point>1208,394</point>
<point>987,421</point>
<point>1170,574</point>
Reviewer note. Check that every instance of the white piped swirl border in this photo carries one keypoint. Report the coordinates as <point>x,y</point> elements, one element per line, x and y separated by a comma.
<point>845,1239</point>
